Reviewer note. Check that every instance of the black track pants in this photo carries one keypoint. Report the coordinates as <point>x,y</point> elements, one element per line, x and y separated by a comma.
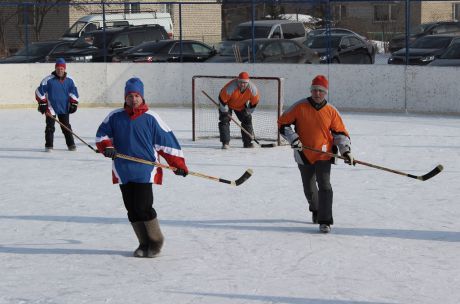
<point>138,200</point>
<point>318,190</point>
<point>49,130</point>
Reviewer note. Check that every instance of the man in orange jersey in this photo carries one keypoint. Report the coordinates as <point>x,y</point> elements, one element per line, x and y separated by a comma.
<point>241,96</point>
<point>317,125</point>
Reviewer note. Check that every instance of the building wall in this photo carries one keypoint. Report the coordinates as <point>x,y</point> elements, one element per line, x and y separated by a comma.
<point>436,11</point>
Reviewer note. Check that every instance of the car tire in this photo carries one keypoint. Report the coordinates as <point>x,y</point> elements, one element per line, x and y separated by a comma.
<point>335,60</point>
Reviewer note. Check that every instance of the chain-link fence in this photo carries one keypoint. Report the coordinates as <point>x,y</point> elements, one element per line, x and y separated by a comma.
<point>340,31</point>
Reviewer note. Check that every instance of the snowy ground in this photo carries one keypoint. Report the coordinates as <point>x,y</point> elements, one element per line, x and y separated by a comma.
<point>65,237</point>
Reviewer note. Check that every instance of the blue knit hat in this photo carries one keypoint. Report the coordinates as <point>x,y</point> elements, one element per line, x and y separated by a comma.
<point>134,85</point>
<point>60,62</point>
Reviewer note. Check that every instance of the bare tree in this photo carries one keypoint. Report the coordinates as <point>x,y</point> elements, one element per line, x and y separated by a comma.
<point>6,14</point>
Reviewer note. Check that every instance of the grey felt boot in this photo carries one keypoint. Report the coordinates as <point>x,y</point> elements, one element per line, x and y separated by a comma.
<point>155,237</point>
<point>141,233</point>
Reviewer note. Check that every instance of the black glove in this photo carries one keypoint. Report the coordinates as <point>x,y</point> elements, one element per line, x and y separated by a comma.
<point>349,159</point>
<point>180,172</point>
<point>297,144</point>
<point>73,107</point>
<point>110,152</point>
<point>42,107</point>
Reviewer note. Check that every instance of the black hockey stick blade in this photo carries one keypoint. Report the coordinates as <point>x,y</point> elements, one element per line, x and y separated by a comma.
<point>264,145</point>
<point>429,175</point>
<point>246,175</point>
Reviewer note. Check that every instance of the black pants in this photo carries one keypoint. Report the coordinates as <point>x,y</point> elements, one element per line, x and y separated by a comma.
<point>224,126</point>
<point>318,190</point>
<point>138,200</point>
<point>49,130</point>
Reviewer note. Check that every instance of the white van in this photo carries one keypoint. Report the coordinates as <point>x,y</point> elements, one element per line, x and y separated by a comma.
<point>93,22</point>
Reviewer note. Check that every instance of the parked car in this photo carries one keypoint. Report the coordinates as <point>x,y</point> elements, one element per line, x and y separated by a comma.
<point>167,51</point>
<point>38,51</point>
<point>451,57</point>
<point>276,29</point>
<point>94,22</point>
<point>90,47</point>
<point>423,50</point>
<point>372,46</point>
<point>340,48</point>
<point>433,28</point>
<point>266,50</point>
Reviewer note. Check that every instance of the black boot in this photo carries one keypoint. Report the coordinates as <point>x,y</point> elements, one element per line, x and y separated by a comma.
<point>141,233</point>
<point>155,236</point>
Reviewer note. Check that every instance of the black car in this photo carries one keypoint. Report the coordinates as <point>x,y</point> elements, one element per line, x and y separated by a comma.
<point>372,46</point>
<point>266,51</point>
<point>433,28</point>
<point>341,48</point>
<point>451,57</point>
<point>38,51</point>
<point>167,51</point>
<point>98,45</point>
<point>423,50</point>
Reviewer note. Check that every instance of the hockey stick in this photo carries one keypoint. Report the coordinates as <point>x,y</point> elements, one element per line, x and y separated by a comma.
<point>246,175</point>
<point>239,125</point>
<point>424,177</point>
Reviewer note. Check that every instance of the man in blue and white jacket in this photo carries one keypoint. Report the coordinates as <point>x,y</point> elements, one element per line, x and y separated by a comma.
<point>136,131</point>
<point>57,95</point>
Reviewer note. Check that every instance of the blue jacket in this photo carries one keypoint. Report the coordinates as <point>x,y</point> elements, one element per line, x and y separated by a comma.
<point>57,93</point>
<point>145,136</point>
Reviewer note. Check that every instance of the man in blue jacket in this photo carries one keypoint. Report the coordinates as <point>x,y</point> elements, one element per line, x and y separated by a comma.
<point>57,95</point>
<point>135,130</point>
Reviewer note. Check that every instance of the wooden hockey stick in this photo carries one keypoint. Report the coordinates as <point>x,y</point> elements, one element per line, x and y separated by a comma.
<point>239,125</point>
<point>424,177</point>
<point>246,175</point>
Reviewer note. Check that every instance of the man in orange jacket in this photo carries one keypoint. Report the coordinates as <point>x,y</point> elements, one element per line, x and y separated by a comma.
<point>318,125</point>
<point>241,96</point>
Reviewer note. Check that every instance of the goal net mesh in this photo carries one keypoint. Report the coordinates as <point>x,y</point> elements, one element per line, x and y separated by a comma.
<point>264,118</point>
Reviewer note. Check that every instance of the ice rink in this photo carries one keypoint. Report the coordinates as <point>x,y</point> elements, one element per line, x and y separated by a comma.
<point>65,237</point>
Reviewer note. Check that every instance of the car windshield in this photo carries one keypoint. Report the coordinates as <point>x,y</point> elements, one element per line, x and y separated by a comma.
<point>430,42</point>
<point>243,47</point>
<point>38,49</point>
<point>93,39</point>
<point>75,29</point>
<point>420,28</point>
<point>323,42</point>
<point>245,32</point>
<point>453,52</point>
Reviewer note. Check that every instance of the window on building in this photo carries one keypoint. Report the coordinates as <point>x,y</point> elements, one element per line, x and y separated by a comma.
<point>339,12</point>
<point>132,7</point>
<point>385,12</point>
<point>26,15</point>
<point>456,11</point>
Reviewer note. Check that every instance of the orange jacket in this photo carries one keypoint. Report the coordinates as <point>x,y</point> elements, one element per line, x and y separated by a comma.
<point>316,128</point>
<point>231,95</point>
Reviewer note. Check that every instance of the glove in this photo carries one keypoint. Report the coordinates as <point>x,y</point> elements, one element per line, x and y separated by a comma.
<point>42,107</point>
<point>248,107</point>
<point>110,152</point>
<point>73,107</point>
<point>349,159</point>
<point>181,172</point>
<point>223,107</point>
<point>297,144</point>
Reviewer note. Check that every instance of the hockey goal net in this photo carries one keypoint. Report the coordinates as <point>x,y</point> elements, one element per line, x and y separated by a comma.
<point>205,117</point>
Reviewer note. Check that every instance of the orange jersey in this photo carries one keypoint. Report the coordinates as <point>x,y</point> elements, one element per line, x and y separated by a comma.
<point>231,95</point>
<point>319,129</point>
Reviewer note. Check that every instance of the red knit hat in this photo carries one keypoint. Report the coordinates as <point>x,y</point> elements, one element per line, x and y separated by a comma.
<point>321,83</point>
<point>60,62</point>
<point>244,76</point>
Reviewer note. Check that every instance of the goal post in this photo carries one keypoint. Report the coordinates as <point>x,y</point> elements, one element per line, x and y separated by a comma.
<point>205,115</point>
